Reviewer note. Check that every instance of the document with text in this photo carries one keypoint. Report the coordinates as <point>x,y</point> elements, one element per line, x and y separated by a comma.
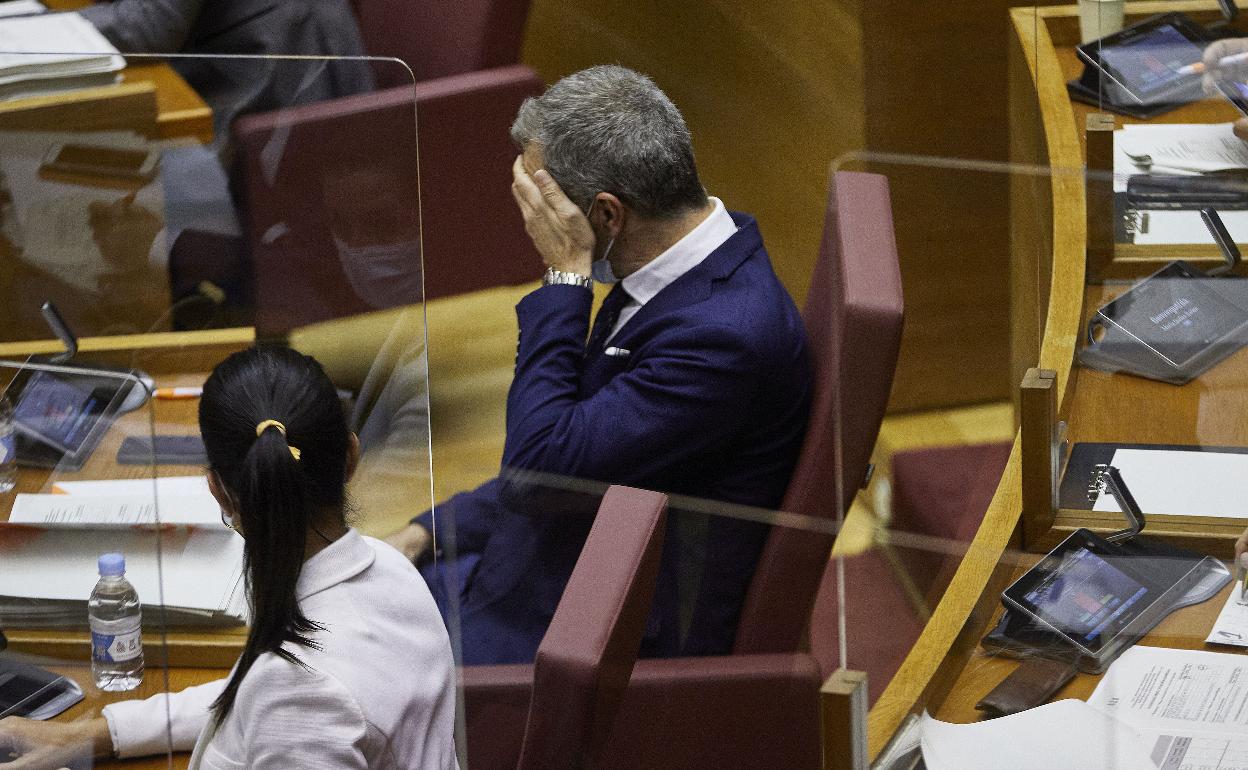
<point>1191,706</point>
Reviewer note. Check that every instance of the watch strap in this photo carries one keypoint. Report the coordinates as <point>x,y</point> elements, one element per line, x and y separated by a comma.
<point>555,277</point>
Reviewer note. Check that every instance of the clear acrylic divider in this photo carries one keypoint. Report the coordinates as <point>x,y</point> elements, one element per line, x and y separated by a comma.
<point>172,229</point>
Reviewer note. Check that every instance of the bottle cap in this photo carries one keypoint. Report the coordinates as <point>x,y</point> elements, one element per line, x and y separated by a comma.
<point>112,564</point>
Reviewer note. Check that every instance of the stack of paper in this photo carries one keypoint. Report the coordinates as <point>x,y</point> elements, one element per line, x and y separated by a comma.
<point>184,563</point>
<point>21,8</point>
<point>54,52</point>
<point>1067,734</point>
<point>1190,706</point>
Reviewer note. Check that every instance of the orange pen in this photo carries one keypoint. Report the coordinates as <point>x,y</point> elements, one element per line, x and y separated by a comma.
<point>177,394</point>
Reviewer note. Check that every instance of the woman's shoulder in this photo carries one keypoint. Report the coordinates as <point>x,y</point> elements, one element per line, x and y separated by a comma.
<point>275,678</point>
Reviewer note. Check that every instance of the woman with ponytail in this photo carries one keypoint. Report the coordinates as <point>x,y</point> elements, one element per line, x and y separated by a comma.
<point>347,663</point>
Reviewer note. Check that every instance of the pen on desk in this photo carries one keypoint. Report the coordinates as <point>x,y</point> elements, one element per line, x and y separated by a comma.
<point>1226,61</point>
<point>176,394</point>
<point>1241,575</point>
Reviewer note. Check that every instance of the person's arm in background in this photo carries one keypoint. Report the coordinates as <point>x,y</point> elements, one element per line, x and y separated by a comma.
<point>1216,51</point>
<point>44,745</point>
<point>130,728</point>
<point>145,26</point>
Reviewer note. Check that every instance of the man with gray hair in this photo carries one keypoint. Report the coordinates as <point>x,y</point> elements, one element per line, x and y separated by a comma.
<point>694,380</point>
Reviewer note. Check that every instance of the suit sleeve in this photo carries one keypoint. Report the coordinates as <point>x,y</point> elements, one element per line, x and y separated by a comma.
<point>683,398</point>
<point>145,26</point>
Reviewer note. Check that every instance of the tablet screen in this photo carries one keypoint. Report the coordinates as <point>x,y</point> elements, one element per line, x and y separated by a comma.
<point>1085,596</point>
<point>57,411</point>
<point>1148,65</point>
<point>1175,313</point>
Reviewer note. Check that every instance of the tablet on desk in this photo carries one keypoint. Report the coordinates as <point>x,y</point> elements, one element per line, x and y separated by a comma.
<point>1142,64</point>
<point>61,416</point>
<point>1172,326</point>
<point>1089,592</point>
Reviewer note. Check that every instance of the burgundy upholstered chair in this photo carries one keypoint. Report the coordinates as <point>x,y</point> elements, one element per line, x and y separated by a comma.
<point>586,657</point>
<point>853,319</point>
<point>471,233</point>
<point>941,493</point>
<point>437,38</point>
<point>760,706</point>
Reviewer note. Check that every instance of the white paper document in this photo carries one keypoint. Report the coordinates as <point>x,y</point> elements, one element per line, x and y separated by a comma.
<point>1180,150</point>
<point>1231,627</point>
<point>91,511</point>
<point>21,8</point>
<point>195,569</point>
<point>1183,147</point>
<point>1029,740</point>
<point>1179,483</point>
<point>1161,688</point>
<point>168,488</point>
<point>54,45</point>
<point>1190,705</point>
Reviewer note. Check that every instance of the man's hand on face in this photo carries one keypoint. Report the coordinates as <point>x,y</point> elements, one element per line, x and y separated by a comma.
<point>559,229</point>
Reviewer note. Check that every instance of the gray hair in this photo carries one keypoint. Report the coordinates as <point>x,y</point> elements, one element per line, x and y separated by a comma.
<point>609,129</point>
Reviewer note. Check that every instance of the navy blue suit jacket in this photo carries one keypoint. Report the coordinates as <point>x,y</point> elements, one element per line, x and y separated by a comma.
<point>711,402</point>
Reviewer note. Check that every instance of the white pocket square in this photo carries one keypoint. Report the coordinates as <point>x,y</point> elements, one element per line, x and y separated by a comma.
<point>617,352</point>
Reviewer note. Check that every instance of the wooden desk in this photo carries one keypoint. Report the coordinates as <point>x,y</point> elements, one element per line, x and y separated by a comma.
<point>172,359</point>
<point>151,98</point>
<point>945,671</point>
<point>154,681</point>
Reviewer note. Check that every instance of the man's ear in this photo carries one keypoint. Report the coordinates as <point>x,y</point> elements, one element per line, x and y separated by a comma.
<point>611,213</point>
<point>353,454</point>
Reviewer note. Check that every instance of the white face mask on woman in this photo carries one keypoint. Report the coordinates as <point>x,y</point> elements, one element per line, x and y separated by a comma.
<point>601,269</point>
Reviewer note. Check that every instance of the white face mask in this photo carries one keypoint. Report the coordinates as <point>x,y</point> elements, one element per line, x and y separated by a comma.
<point>383,275</point>
<point>601,269</point>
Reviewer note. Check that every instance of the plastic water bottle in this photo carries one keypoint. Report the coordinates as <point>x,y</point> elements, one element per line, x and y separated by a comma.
<point>115,616</point>
<point>8,447</point>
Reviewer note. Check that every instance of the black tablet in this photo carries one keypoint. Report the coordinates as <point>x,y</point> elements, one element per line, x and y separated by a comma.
<point>1171,326</point>
<point>61,416</point>
<point>32,692</point>
<point>1087,591</point>
<point>1143,64</point>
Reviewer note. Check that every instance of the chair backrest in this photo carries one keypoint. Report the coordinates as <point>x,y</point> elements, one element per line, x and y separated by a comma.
<point>853,319</point>
<point>586,657</point>
<point>291,170</point>
<point>442,37</point>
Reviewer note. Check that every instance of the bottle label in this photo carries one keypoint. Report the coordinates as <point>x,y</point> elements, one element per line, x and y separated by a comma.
<point>115,641</point>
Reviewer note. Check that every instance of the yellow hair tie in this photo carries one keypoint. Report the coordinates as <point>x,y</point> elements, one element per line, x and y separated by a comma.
<point>265,425</point>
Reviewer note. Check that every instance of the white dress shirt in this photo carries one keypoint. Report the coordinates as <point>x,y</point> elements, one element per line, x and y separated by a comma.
<point>682,256</point>
<point>379,694</point>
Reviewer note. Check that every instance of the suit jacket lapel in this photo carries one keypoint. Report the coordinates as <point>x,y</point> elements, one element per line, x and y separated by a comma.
<point>695,285</point>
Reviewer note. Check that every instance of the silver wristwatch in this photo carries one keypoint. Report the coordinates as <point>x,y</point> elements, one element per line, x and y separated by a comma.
<point>554,277</point>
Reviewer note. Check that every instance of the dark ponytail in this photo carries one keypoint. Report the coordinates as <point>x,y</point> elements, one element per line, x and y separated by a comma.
<point>279,498</point>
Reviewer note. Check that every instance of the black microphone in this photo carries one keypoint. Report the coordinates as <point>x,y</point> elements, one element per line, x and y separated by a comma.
<point>56,322</point>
